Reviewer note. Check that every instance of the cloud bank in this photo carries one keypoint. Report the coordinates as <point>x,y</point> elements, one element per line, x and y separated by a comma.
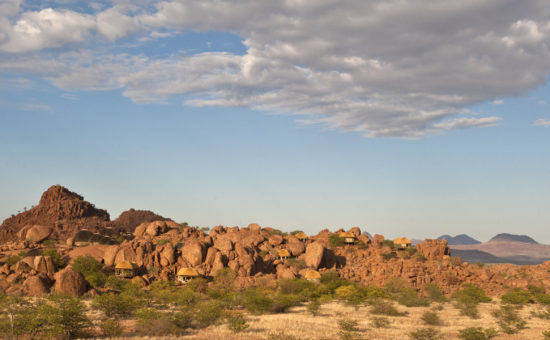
<point>381,68</point>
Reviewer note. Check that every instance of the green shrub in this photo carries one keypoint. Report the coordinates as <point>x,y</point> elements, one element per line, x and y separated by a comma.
<point>296,263</point>
<point>163,241</point>
<point>12,260</point>
<point>207,313</point>
<point>477,333</point>
<point>116,304</point>
<point>431,319</point>
<point>380,322</point>
<point>425,334</point>
<point>283,302</point>
<point>111,328</point>
<point>237,323</point>
<point>224,278</point>
<point>410,298</point>
<point>388,243</point>
<point>382,307</point>
<point>256,302</point>
<point>471,293</point>
<point>546,334</point>
<point>388,256</point>
<point>434,293</point>
<point>509,320</point>
<point>97,279</point>
<point>56,257</point>
<point>65,315</point>
<point>336,241</point>
<point>48,243</point>
<point>158,328</point>
<point>468,309</point>
<point>197,284</point>
<point>420,257</point>
<point>86,265</point>
<point>518,296</point>
<point>313,307</point>
<point>348,329</point>
<point>395,285</point>
<point>536,290</point>
<point>294,286</point>
<point>543,299</point>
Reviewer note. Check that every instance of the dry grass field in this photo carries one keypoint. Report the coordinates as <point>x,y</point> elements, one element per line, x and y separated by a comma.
<point>299,324</point>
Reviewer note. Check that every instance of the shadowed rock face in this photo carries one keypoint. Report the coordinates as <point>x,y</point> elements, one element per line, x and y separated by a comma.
<point>130,219</point>
<point>58,208</point>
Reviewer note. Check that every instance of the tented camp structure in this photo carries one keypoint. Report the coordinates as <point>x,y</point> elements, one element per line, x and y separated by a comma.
<point>125,269</point>
<point>186,274</point>
<point>283,254</point>
<point>301,236</point>
<point>402,243</point>
<point>313,275</point>
<point>348,237</point>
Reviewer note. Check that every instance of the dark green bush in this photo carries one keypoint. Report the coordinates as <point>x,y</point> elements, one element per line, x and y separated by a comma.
<point>256,302</point>
<point>111,328</point>
<point>56,257</point>
<point>410,298</point>
<point>468,309</point>
<point>284,301</point>
<point>434,293</point>
<point>543,299</point>
<point>381,307</point>
<point>336,241</point>
<point>86,265</point>
<point>472,333</point>
<point>116,304</point>
<point>163,241</point>
<point>12,260</point>
<point>425,334</point>
<point>388,256</point>
<point>420,257</point>
<point>207,313</point>
<point>237,323</point>
<point>380,322</point>
<point>395,285</point>
<point>388,243</point>
<point>518,296</point>
<point>294,286</point>
<point>471,293</point>
<point>431,319</point>
<point>546,334</point>
<point>509,320</point>
<point>313,307</point>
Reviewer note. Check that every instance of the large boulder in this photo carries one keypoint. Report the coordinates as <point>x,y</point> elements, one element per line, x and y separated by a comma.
<point>275,240</point>
<point>70,282</point>
<point>433,249</point>
<point>314,255</point>
<point>295,246</point>
<point>45,265</point>
<point>254,227</point>
<point>192,253</point>
<point>167,255</point>
<point>38,233</point>
<point>110,254</point>
<point>224,244</point>
<point>36,286</point>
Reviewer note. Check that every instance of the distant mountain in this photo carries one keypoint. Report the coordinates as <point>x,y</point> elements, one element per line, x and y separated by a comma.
<point>512,238</point>
<point>473,256</point>
<point>508,248</point>
<point>459,239</point>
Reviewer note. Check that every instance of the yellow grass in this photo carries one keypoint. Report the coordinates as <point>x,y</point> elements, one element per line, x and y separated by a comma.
<point>302,325</point>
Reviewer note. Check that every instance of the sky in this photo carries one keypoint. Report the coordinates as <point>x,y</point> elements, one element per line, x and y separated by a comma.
<point>405,118</point>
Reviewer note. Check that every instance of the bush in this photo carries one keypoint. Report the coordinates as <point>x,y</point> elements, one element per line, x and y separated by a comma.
<point>197,284</point>
<point>163,241</point>
<point>420,257</point>
<point>348,329</point>
<point>410,298</point>
<point>224,278</point>
<point>207,313</point>
<point>425,334</point>
<point>509,320</point>
<point>257,303</point>
<point>546,334</point>
<point>468,309</point>
<point>388,243</point>
<point>385,308</point>
<point>294,286</point>
<point>56,257</point>
<point>536,290</point>
<point>518,297</point>
<point>12,260</point>
<point>116,304</point>
<point>336,241</point>
<point>543,299</point>
<point>296,263</point>
<point>65,315</point>
<point>237,323</point>
<point>86,265</point>
<point>477,333</point>
<point>158,327</point>
<point>542,314</point>
<point>283,302</point>
<point>471,293</point>
<point>111,328</point>
<point>97,279</point>
<point>388,256</point>
<point>380,322</point>
<point>313,307</point>
<point>431,319</point>
<point>434,293</point>
<point>395,285</point>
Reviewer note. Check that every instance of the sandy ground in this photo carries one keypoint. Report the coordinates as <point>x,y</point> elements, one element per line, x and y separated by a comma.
<point>300,324</point>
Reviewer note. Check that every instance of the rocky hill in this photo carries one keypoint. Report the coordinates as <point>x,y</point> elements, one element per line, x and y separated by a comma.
<point>130,219</point>
<point>459,239</point>
<point>512,238</point>
<point>159,249</point>
<point>59,210</point>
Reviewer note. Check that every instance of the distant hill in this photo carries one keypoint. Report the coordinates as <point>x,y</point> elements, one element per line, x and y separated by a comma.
<point>508,248</point>
<point>512,238</point>
<point>459,239</point>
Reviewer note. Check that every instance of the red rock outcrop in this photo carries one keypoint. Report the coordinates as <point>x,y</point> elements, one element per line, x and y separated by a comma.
<point>70,282</point>
<point>130,219</point>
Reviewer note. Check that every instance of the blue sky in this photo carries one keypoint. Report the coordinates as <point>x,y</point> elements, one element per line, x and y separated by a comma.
<point>222,121</point>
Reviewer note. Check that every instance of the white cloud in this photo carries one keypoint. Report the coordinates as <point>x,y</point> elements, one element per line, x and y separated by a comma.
<point>381,68</point>
<point>36,107</point>
<point>541,122</point>
<point>498,102</point>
